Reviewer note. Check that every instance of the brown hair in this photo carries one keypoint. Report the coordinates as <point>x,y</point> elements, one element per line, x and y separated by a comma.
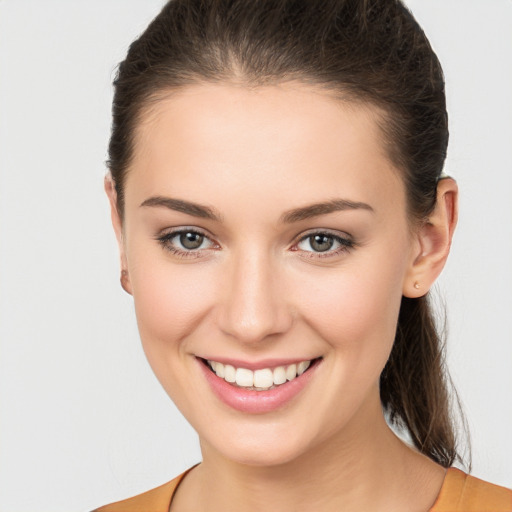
<point>370,51</point>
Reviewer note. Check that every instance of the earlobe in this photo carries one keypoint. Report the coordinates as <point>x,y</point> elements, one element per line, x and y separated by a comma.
<point>434,241</point>
<point>117,224</point>
<point>125,282</point>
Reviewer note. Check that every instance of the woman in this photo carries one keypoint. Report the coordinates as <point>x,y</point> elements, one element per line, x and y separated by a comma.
<point>277,195</point>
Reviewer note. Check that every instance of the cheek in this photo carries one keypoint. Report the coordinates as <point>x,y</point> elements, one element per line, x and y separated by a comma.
<point>170,300</point>
<point>355,308</point>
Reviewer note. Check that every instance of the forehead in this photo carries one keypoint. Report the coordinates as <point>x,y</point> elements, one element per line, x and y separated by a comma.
<point>292,138</point>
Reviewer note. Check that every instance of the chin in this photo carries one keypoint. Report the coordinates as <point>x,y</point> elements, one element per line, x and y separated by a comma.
<point>264,446</point>
<point>259,456</point>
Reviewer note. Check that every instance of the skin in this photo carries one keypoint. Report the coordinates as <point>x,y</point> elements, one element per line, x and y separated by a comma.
<point>257,290</point>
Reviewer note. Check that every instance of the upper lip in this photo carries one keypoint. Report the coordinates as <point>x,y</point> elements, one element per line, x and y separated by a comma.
<point>258,365</point>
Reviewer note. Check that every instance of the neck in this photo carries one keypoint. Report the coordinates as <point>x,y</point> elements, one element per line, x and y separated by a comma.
<point>359,469</point>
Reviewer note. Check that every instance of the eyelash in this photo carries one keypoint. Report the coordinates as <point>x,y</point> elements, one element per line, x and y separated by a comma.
<point>345,244</point>
<point>166,238</point>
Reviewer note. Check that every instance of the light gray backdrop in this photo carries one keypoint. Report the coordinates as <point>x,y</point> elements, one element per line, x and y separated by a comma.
<point>83,421</point>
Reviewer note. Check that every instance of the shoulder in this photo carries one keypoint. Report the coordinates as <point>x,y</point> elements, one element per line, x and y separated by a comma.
<point>155,500</point>
<point>464,493</point>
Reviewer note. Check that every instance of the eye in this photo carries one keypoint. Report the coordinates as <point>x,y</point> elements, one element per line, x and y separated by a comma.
<point>319,242</point>
<point>190,240</point>
<point>186,242</point>
<point>322,244</point>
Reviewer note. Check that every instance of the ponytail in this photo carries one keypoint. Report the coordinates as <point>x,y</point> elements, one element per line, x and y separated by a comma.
<point>414,385</point>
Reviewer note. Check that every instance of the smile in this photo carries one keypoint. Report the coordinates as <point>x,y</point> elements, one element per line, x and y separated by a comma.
<point>263,389</point>
<point>259,380</point>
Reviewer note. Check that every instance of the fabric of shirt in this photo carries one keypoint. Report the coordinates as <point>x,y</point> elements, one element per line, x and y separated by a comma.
<point>460,492</point>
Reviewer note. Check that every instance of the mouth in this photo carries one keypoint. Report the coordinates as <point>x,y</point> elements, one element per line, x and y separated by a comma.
<point>265,388</point>
<point>263,379</point>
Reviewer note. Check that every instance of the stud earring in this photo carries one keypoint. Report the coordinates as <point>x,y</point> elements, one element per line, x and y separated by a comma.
<point>417,285</point>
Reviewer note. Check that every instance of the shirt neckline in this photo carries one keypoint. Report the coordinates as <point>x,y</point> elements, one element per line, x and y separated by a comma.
<point>454,480</point>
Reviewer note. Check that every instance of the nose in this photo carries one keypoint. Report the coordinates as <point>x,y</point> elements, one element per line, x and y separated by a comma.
<point>255,305</point>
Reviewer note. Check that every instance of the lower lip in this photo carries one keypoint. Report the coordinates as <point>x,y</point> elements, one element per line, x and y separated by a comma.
<point>257,402</point>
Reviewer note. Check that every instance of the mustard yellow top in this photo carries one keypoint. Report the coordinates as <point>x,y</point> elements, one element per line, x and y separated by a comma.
<point>460,493</point>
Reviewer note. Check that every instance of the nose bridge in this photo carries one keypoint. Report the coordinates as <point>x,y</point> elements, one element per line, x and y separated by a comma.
<point>254,306</point>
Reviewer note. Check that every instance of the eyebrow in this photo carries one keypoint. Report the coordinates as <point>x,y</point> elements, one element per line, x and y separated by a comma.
<point>291,216</point>
<point>180,205</point>
<point>314,210</point>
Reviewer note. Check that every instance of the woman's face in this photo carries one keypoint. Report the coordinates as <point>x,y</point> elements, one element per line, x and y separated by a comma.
<point>265,228</point>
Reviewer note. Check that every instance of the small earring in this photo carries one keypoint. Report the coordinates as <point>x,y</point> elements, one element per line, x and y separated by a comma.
<point>417,285</point>
<point>124,277</point>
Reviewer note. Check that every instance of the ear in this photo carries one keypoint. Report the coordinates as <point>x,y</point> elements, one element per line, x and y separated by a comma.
<point>117,224</point>
<point>434,239</point>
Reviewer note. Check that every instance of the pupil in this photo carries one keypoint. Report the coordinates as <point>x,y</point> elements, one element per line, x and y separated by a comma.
<point>321,243</point>
<point>191,240</point>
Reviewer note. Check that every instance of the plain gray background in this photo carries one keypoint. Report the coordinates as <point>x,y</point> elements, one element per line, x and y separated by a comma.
<point>83,421</point>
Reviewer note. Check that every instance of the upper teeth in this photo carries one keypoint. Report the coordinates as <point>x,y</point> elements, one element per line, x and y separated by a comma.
<point>258,379</point>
